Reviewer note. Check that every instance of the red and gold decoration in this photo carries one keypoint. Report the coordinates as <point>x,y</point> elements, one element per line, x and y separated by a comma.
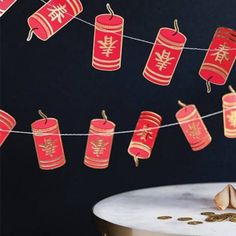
<point>7,123</point>
<point>108,41</point>
<point>99,144</point>
<point>5,5</point>
<point>165,55</point>
<point>52,17</point>
<point>144,136</point>
<point>220,57</point>
<point>229,113</point>
<point>193,127</point>
<point>48,143</point>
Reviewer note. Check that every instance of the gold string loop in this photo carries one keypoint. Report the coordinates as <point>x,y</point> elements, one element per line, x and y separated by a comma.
<point>30,34</point>
<point>104,116</point>
<point>136,160</point>
<point>176,26</point>
<point>181,104</point>
<point>108,6</point>
<point>231,89</point>
<point>43,116</point>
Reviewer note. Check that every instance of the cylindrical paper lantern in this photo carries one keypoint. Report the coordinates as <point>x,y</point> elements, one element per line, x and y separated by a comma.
<point>7,123</point>
<point>164,56</point>
<point>219,58</point>
<point>5,5</point>
<point>53,16</point>
<point>193,127</point>
<point>229,113</point>
<point>99,144</point>
<point>144,137</point>
<point>108,41</point>
<point>48,143</point>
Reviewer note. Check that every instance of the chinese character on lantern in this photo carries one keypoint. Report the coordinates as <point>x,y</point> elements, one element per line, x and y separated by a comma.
<point>163,60</point>
<point>194,130</point>
<point>222,53</point>
<point>145,134</point>
<point>107,45</point>
<point>99,146</point>
<point>57,12</point>
<point>48,147</point>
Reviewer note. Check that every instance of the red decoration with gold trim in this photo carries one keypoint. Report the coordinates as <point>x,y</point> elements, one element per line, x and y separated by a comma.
<point>229,113</point>
<point>48,143</point>
<point>219,58</point>
<point>7,123</point>
<point>144,137</point>
<point>99,144</point>
<point>52,17</point>
<point>164,56</point>
<point>193,127</point>
<point>108,41</point>
<point>5,5</point>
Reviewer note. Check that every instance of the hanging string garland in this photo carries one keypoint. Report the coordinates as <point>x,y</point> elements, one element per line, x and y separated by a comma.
<point>229,113</point>
<point>49,147</point>
<point>5,5</point>
<point>218,64</point>
<point>193,127</point>
<point>99,145</point>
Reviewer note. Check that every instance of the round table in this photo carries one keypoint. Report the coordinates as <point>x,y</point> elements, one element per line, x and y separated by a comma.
<point>135,213</point>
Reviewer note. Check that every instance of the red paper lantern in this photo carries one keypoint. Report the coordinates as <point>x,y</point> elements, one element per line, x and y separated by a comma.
<point>144,137</point>
<point>193,127</point>
<point>53,16</point>
<point>108,41</point>
<point>229,113</point>
<point>164,56</point>
<point>7,123</point>
<point>220,58</point>
<point>5,5</point>
<point>99,144</point>
<point>48,143</point>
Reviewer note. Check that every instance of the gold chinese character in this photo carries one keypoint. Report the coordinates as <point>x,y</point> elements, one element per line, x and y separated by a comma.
<point>232,118</point>
<point>163,60</point>
<point>145,133</point>
<point>194,130</point>
<point>222,53</point>
<point>57,12</point>
<point>107,45</point>
<point>48,147</point>
<point>99,146</point>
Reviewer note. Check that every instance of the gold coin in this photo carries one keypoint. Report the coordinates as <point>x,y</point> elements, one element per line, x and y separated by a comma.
<point>185,219</point>
<point>207,213</point>
<point>164,217</point>
<point>195,222</point>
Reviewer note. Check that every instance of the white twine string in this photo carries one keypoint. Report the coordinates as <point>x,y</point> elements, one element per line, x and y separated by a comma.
<point>141,40</point>
<point>121,132</point>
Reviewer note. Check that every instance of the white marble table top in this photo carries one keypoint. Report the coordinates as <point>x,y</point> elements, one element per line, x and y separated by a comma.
<point>139,209</point>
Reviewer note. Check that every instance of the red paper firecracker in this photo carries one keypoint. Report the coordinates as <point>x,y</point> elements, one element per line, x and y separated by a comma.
<point>53,16</point>
<point>144,137</point>
<point>5,5</point>
<point>99,144</point>
<point>229,113</point>
<point>220,57</point>
<point>193,127</point>
<point>48,143</point>
<point>108,41</point>
<point>164,56</point>
<point>7,123</point>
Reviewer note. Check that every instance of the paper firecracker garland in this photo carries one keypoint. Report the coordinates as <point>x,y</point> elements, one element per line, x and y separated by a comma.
<point>193,127</point>
<point>108,41</point>
<point>7,123</point>
<point>48,143</point>
<point>165,55</point>
<point>99,143</point>
<point>144,136</point>
<point>229,113</point>
<point>52,17</point>
<point>220,57</point>
<point>5,5</point>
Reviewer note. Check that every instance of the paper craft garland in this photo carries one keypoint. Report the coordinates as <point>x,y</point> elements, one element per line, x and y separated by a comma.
<point>5,5</point>
<point>229,114</point>
<point>193,127</point>
<point>108,41</point>
<point>49,147</point>
<point>52,17</point>
<point>164,56</point>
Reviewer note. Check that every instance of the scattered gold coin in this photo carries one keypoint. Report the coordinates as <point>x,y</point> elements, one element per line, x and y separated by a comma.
<point>184,219</point>
<point>207,213</point>
<point>195,222</point>
<point>164,217</point>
